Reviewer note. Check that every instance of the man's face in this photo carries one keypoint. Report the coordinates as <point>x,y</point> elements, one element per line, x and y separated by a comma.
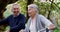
<point>15,9</point>
<point>31,12</point>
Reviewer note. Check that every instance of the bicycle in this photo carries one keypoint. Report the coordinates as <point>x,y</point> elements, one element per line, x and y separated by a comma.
<point>45,30</point>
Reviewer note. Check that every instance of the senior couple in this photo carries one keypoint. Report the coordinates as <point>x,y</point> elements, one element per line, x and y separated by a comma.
<point>35,22</point>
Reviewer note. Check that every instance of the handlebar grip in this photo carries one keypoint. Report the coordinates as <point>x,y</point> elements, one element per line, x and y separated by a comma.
<point>47,30</point>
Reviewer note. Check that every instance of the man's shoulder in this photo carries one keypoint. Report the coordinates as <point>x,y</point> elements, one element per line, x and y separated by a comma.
<point>21,15</point>
<point>10,16</point>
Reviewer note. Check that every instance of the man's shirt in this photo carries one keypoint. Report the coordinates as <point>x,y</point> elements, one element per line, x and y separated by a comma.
<point>16,23</point>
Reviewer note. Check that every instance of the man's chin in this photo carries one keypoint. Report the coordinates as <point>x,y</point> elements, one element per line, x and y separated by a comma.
<point>15,14</point>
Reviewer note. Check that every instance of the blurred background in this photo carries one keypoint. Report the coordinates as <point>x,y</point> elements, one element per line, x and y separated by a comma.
<point>49,8</point>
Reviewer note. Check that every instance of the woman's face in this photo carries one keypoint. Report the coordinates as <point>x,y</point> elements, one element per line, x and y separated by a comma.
<point>31,12</point>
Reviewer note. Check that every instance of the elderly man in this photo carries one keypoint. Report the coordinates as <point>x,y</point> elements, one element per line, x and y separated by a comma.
<point>16,20</point>
<point>36,21</point>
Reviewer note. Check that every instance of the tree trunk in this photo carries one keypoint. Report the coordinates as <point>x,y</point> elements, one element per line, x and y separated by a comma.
<point>28,2</point>
<point>50,9</point>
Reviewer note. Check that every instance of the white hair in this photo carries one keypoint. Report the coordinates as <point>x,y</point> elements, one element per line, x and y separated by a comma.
<point>33,6</point>
<point>15,4</point>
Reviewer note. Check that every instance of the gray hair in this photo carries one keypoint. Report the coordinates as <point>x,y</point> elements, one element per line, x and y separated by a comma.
<point>15,4</point>
<point>33,6</point>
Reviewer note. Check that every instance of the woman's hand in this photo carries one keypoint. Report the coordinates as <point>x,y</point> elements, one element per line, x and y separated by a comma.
<point>51,27</point>
<point>21,30</point>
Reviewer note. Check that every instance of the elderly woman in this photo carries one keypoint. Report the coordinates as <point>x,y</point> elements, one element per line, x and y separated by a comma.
<point>36,21</point>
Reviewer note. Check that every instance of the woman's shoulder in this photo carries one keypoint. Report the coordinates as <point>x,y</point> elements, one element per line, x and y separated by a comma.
<point>41,16</point>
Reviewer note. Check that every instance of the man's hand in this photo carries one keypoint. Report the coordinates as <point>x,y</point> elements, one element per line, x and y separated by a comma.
<point>7,31</point>
<point>21,30</point>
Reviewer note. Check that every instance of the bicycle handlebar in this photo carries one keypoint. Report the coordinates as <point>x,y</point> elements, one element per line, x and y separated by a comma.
<point>45,29</point>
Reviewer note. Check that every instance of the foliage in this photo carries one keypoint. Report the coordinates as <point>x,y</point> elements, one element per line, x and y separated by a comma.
<point>44,8</point>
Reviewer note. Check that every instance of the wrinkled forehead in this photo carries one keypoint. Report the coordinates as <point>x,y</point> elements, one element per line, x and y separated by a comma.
<point>15,6</point>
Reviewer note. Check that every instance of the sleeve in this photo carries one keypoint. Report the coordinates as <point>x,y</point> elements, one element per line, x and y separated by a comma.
<point>45,21</point>
<point>27,26</point>
<point>4,21</point>
<point>21,24</point>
